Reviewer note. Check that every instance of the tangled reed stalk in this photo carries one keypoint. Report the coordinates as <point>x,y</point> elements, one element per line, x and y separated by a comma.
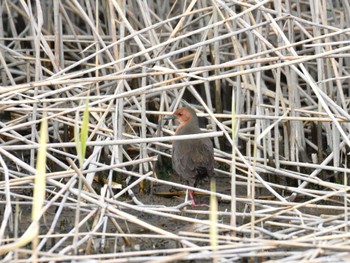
<point>271,81</point>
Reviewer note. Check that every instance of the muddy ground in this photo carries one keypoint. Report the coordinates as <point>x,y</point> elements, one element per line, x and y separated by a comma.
<point>161,196</point>
<point>139,238</point>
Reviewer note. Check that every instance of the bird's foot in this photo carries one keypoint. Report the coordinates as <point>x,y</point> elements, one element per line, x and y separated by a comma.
<point>194,204</point>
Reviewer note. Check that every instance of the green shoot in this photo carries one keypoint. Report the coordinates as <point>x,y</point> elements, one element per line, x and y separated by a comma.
<point>81,136</point>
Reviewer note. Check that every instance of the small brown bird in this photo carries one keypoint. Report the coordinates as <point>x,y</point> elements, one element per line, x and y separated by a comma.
<point>193,159</point>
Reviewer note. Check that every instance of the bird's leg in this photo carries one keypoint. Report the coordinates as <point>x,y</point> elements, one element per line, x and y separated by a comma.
<point>186,198</point>
<point>194,204</point>
<point>191,194</point>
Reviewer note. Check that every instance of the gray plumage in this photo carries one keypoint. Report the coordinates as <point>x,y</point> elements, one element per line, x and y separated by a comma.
<point>193,160</point>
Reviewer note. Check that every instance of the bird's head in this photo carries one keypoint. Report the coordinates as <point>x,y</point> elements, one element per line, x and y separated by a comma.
<point>184,115</point>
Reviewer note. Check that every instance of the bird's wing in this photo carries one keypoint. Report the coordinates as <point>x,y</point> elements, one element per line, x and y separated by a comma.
<point>193,155</point>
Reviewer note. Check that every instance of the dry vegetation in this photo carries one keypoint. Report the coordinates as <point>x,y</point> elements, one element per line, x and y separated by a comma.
<point>281,154</point>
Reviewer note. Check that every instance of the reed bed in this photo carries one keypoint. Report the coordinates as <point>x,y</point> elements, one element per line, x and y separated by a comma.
<point>270,81</point>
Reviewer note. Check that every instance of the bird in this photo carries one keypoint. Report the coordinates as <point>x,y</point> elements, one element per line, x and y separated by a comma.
<point>192,159</point>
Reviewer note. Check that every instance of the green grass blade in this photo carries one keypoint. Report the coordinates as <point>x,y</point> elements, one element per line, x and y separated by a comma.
<point>38,196</point>
<point>40,176</point>
<point>81,135</point>
<point>213,217</point>
<point>84,131</point>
